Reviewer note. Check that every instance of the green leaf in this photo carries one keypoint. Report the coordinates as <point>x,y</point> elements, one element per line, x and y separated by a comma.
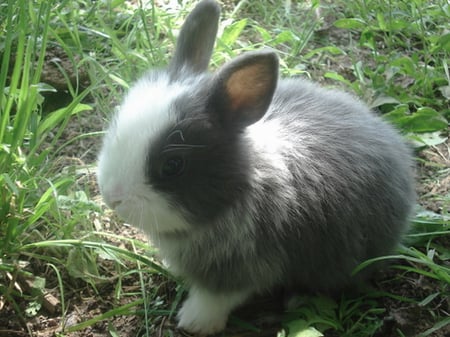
<point>119,80</point>
<point>350,23</point>
<point>381,21</point>
<point>398,24</point>
<point>82,264</point>
<point>444,42</point>
<point>6,178</point>
<point>445,91</point>
<point>382,100</point>
<point>37,285</point>
<point>428,299</point>
<point>406,65</point>
<point>428,139</point>
<point>57,116</point>
<point>44,87</point>
<point>423,120</point>
<point>300,328</point>
<point>265,35</point>
<point>232,32</point>
<point>112,330</point>
<point>285,36</point>
<point>333,50</point>
<point>47,200</point>
<point>337,77</point>
<point>33,308</point>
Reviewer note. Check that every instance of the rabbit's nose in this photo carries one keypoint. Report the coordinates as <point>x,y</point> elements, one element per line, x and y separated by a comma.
<point>111,201</point>
<point>113,196</point>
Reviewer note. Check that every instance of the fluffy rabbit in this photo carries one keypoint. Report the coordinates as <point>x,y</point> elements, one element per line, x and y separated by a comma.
<point>246,182</point>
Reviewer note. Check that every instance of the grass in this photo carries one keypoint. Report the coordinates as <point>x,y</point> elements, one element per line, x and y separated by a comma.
<point>394,55</point>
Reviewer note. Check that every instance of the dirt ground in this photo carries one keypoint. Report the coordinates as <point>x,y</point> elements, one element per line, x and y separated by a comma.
<point>83,303</point>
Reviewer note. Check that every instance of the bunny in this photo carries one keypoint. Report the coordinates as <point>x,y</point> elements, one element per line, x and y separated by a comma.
<point>246,182</point>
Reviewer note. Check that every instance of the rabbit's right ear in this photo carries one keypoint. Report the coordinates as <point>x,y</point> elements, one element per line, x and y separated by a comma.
<point>196,40</point>
<point>242,89</point>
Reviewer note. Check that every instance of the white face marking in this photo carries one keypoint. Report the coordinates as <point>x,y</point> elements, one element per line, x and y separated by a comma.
<point>145,112</point>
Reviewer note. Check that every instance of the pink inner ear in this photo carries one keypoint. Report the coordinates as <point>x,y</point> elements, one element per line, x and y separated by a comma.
<point>248,85</point>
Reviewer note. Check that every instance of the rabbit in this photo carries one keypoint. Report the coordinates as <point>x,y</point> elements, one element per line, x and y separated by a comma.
<point>246,182</point>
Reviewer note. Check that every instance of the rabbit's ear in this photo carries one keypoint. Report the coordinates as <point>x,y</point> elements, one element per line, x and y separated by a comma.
<point>243,88</point>
<point>196,40</point>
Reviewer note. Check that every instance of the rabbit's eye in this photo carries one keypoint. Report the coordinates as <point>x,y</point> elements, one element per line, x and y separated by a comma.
<point>172,166</point>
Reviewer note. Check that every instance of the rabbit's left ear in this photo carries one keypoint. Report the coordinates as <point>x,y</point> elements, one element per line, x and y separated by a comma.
<point>196,40</point>
<point>243,88</point>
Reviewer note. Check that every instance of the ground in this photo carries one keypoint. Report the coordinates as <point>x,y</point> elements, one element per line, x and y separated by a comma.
<point>84,301</point>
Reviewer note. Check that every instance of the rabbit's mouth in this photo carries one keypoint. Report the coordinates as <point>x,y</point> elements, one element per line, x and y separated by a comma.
<point>126,211</point>
<point>151,213</point>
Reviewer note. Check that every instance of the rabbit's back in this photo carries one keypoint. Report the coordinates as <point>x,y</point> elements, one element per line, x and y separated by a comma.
<point>352,177</point>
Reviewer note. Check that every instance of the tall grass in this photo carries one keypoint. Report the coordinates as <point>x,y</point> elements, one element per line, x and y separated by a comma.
<point>28,192</point>
<point>19,116</point>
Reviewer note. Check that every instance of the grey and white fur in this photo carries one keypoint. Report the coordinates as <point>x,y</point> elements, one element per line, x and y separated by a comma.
<point>246,182</point>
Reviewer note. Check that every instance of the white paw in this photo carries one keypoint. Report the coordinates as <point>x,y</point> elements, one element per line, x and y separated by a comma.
<point>201,320</point>
<point>206,313</point>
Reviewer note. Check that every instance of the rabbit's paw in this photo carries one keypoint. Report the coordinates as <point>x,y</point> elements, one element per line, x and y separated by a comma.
<point>201,319</point>
<point>206,313</point>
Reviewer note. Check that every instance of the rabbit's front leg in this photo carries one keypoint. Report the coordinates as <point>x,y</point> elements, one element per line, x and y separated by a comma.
<point>205,312</point>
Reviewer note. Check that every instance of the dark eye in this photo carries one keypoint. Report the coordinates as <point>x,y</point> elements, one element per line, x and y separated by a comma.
<point>172,166</point>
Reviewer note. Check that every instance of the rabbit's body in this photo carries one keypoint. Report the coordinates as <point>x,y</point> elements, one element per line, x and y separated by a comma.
<point>314,206</point>
<point>245,183</point>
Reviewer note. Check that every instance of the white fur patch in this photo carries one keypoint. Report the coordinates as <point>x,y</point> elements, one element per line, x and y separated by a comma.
<point>270,142</point>
<point>267,138</point>
<point>206,313</point>
<point>145,112</point>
